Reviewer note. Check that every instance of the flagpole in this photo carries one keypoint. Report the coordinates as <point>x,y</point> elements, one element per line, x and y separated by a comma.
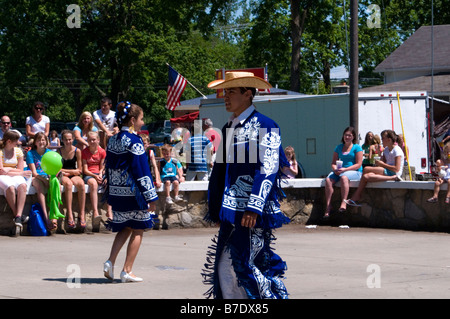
<point>191,84</point>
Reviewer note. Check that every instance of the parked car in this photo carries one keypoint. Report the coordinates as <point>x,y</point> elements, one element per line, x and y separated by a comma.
<point>22,130</point>
<point>71,125</point>
<point>160,135</point>
<point>144,130</point>
<point>58,126</point>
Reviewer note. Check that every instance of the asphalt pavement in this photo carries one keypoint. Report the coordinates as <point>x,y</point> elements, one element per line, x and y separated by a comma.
<point>323,263</point>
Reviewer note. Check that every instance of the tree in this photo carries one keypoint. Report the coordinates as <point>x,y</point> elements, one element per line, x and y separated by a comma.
<point>119,50</point>
<point>299,13</point>
<point>268,40</point>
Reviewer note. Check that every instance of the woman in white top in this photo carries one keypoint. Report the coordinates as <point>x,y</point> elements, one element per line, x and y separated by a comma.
<point>389,168</point>
<point>38,122</point>
<point>12,176</point>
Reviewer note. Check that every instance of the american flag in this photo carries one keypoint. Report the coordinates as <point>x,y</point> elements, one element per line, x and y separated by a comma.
<point>177,84</point>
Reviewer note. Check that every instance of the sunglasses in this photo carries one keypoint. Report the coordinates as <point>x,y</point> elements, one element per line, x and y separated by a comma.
<point>6,123</point>
<point>39,108</point>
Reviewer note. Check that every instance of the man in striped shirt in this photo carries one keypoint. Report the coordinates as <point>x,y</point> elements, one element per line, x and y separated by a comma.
<point>198,154</point>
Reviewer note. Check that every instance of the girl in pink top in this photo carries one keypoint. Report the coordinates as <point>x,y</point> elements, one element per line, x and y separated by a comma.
<point>93,158</point>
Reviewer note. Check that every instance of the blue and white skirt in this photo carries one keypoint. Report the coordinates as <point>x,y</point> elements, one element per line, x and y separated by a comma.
<point>135,219</point>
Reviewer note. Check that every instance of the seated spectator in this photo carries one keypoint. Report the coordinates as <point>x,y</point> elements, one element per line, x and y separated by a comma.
<point>171,173</point>
<point>54,141</point>
<point>151,160</point>
<point>199,154</point>
<point>105,121</point>
<point>443,169</point>
<point>389,168</point>
<point>40,179</point>
<point>346,165</point>
<point>81,130</point>
<point>292,170</point>
<point>376,149</point>
<point>401,143</point>
<point>38,122</point>
<point>13,178</point>
<point>93,158</point>
<point>368,141</point>
<point>6,125</point>
<point>71,176</point>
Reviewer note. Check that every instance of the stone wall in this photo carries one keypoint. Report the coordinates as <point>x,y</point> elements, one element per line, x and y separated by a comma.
<point>399,205</point>
<point>399,208</point>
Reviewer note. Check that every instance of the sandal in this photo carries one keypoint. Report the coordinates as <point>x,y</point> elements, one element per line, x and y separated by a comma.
<point>434,200</point>
<point>52,224</point>
<point>70,224</point>
<point>351,202</point>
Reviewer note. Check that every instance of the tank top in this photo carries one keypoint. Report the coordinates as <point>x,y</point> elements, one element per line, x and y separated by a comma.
<point>14,160</point>
<point>69,163</point>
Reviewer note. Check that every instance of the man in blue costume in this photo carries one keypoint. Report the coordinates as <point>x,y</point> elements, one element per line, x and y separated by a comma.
<point>243,196</point>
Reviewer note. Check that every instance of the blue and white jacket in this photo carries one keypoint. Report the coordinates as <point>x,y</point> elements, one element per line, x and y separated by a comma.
<point>246,175</point>
<point>130,185</point>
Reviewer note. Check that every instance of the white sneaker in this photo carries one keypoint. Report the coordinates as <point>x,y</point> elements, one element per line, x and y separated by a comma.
<point>169,200</point>
<point>126,277</point>
<point>178,198</point>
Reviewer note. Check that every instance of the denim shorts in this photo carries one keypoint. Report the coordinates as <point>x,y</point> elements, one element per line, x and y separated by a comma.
<point>351,175</point>
<point>87,177</point>
<point>389,172</point>
<point>169,178</point>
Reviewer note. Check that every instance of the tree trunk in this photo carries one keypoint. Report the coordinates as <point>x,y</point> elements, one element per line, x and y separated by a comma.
<point>297,28</point>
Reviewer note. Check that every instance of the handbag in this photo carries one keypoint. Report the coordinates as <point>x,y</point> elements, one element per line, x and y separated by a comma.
<point>36,223</point>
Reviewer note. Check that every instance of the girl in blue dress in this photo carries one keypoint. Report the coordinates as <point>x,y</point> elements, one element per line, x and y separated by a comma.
<point>129,190</point>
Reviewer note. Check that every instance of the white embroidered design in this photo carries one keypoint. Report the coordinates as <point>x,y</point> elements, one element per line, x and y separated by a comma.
<point>120,191</point>
<point>271,142</point>
<point>117,146</point>
<point>137,149</point>
<point>249,132</point>
<point>242,187</point>
<point>270,164</point>
<point>258,201</point>
<point>116,177</point>
<point>139,215</point>
<point>256,245</point>
<point>150,191</point>
<point>236,197</point>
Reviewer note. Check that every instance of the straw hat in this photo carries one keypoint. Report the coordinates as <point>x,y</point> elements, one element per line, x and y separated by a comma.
<point>235,79</point>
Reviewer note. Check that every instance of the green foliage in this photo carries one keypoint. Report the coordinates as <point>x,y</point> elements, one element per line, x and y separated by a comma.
<point>120,50</point>
<point>122,47</point>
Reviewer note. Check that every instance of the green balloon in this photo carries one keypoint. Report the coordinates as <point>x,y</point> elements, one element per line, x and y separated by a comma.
<point>51,163</point>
